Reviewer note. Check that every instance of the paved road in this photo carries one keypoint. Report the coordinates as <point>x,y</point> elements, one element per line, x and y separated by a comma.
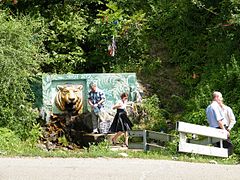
<point>112,169</point>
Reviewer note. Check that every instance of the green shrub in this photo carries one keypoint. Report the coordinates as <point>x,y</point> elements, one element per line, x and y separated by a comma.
<point>154,116</point>
<point>19,61</point>
<point>8,140</point>
<point>35,134</point>
<point>196,117</point>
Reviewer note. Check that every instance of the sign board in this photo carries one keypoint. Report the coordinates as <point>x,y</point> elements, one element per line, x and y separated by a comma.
<point>113,84</point>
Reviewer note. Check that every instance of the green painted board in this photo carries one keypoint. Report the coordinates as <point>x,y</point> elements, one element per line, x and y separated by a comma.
<point>113,84</point>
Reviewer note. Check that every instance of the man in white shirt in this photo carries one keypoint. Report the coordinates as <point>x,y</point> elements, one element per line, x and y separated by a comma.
<point>216,116</point>
<point>229,122</point>
<point>229,118</point>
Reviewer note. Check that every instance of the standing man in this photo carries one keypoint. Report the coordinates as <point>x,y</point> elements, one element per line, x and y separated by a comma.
<point>230,119</point>
<point>214,112</point>
<point>96,97</point>
<point>215,116</point>
<point>229,122</point>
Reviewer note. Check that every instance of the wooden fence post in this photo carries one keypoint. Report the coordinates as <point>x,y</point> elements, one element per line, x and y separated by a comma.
<point>145,140</point>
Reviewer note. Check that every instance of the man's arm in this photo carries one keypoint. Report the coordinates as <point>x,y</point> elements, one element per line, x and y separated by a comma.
<point>90,102</point>
<point>231,118</point>
<point>221,124</point>
<point>101,101</point>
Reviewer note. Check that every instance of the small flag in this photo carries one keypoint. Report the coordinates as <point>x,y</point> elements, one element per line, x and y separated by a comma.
<point>112,47</point>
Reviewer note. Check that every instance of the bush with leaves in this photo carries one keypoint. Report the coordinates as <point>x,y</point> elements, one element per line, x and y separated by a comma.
<point>9,141</point>
<point>155,118</point>
<point>66,34</point>
<point>20,42</point>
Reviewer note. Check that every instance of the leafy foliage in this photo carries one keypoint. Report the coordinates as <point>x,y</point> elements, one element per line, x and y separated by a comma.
<point>8,140</point>
<point>155,118</point>
<point>35,134</point>
<point>65,38</point>
<point>19,60</point>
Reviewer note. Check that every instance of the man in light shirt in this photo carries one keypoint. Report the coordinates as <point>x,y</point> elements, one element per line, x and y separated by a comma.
<point>214,112</point>
<point>229,120</point>
<point>217,118</point>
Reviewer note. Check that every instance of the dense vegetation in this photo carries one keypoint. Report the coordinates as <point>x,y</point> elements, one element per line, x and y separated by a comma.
<point>181,50</point>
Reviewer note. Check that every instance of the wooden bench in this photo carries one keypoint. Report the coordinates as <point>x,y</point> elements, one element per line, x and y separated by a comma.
<point>202,146</point>
<point>147,138</point>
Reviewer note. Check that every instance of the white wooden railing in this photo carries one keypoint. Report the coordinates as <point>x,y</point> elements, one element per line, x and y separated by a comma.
<point>203,146</point>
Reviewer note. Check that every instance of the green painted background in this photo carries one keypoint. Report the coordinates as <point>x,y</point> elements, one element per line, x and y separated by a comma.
<point>113,84</point>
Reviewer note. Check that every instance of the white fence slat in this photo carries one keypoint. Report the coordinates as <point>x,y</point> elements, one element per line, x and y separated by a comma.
<point>201,149</point>
<point>201,130</point>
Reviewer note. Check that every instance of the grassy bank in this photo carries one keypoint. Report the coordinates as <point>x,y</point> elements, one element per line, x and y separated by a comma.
<point>104,149</point>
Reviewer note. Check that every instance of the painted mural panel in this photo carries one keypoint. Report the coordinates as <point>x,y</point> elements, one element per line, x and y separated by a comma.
<point>113,84</point>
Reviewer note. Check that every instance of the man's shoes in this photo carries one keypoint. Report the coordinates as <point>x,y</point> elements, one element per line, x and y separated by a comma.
<point>95,131</point>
